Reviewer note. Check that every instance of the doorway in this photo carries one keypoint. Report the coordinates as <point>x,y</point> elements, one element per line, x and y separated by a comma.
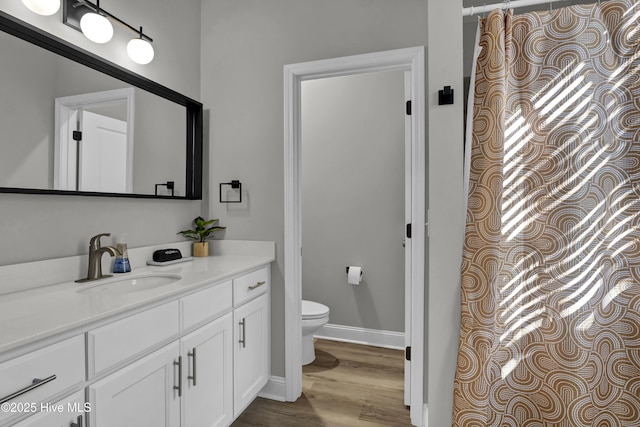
<point>411,61</point>
<point>355,207</point>
<point>93,141</point>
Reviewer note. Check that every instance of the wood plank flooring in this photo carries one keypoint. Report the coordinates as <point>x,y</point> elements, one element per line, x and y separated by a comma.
<point>348,385</point>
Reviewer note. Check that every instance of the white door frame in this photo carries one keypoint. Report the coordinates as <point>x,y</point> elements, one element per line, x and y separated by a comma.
<point>409,59</point>
<point>408,218</point>
<point>66,112</point>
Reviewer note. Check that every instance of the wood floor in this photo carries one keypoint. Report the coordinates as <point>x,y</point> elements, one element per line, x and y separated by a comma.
<point>348,385</point>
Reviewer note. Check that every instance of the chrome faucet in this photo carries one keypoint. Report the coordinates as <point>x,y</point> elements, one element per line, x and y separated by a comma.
<point>96,251</point>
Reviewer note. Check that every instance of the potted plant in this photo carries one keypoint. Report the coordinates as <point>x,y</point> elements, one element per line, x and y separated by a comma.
<point>204,229</point>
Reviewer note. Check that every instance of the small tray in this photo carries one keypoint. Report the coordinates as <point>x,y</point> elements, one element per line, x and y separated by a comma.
<point>175,261</point>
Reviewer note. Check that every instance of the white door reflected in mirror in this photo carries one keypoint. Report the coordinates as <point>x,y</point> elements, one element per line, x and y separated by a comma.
<point>102,154</point>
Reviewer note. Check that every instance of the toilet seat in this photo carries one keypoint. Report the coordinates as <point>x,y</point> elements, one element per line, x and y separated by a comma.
<point>313,310</point>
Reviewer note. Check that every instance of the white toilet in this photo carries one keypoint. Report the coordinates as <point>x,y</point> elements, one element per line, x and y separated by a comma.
<point>314,317</point>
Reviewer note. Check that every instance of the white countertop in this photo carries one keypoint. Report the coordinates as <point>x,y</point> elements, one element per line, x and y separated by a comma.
<point>34,314</point>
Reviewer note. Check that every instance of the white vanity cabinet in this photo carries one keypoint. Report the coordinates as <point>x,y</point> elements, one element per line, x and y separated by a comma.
<point>186,383</point>
<point>194,353</point>
<point>204,377</point>
<point>251,368</point>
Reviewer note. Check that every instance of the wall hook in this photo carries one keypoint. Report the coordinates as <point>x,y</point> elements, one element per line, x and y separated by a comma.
<point>445,96</point>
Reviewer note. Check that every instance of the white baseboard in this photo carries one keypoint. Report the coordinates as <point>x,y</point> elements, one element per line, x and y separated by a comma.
<point>274,389</point>
<point>376,338</point>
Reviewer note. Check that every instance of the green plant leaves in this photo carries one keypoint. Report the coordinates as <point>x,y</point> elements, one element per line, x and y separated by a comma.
<point>203,229</point>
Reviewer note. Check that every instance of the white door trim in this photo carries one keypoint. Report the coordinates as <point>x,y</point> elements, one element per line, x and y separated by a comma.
<point>408,185</point>
<point>409,59</point>
<point>66,109</point>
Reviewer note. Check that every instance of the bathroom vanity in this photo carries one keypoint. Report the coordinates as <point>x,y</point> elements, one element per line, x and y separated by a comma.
<point>193,351</point>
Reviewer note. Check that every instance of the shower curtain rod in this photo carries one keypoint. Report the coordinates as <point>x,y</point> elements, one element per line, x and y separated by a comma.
<point>470,11</point>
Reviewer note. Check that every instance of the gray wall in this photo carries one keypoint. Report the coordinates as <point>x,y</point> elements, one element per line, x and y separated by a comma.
<point>245,46</point>
<point>35,227</point>
<point>159,144</point>
<point>446,216</point>
<point>26,136</point>
<point>353,197</point>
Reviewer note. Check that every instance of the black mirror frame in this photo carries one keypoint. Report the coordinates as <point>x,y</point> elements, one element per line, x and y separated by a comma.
<point>194,134</point>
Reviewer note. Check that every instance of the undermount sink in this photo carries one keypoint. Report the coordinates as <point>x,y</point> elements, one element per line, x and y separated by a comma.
<point>130,284</point>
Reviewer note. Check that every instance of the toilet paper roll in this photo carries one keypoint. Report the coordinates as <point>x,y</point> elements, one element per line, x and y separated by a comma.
<point>354,276</point>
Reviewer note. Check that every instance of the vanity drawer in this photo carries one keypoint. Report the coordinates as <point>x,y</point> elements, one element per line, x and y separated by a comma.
<point>206,304</point>
<point>251,285</point>
<point>117,341</point>
<point>64,360</point>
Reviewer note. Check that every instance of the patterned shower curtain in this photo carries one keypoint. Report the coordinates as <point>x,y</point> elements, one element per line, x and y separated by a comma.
<point>550,331</point>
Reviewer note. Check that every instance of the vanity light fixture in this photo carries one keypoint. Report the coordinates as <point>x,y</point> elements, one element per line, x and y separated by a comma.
<point>140,51</point>
<point>95,24</point>
<point>42,7</point>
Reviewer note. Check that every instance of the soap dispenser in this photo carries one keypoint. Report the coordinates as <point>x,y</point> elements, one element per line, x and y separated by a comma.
<point>121,264</point>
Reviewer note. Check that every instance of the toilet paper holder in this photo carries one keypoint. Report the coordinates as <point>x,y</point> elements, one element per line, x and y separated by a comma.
<point>354,277</point>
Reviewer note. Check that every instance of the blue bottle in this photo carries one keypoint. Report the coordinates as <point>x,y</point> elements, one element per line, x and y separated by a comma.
<point>121,264</point>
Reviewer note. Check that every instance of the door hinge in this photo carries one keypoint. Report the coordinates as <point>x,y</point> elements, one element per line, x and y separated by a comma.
<point>408,231</point>
<point>407,353</point>
<point>77,135</point>
<point>408,108</point>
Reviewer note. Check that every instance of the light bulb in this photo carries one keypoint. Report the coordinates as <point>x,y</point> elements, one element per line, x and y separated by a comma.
<point>96,27</point>
<point>42,7</point>
<point>140,51</point>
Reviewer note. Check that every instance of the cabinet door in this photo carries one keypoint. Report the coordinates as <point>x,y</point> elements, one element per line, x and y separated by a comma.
<point>67,412</point>
<point>251,351</point>
<point>144,393</point>
<point>207,400</point>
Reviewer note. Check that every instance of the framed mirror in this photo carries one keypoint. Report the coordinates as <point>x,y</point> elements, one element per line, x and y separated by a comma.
<point>74,123</point>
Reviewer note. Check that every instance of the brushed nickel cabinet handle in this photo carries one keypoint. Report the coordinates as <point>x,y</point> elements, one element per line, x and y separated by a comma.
<point>35,383</point>
<point>244,333</point>
<point>257,285</point>
<point>192,354</point>
<point>179,386</point>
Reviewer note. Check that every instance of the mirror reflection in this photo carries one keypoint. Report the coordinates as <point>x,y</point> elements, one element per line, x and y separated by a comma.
<point>65,126</point>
